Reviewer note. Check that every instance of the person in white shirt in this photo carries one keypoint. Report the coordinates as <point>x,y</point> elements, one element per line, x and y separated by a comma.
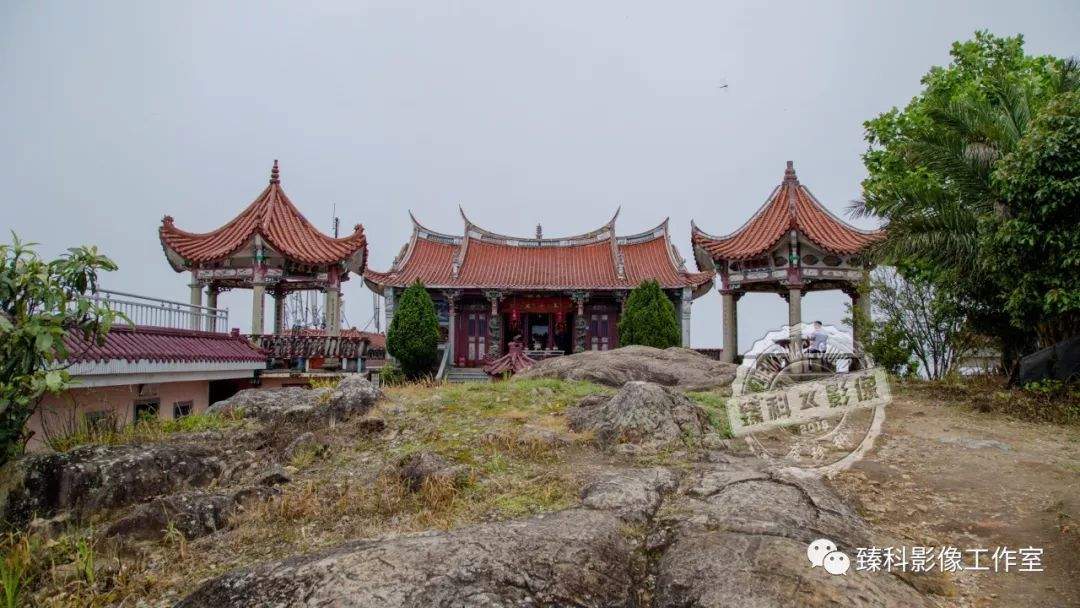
<point>819,340</point>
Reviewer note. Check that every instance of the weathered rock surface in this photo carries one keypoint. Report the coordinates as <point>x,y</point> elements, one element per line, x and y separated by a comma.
<point>193,514</point>
<point>738,537</point>
<point>678,367</point>
<point>354,396</point>
<point>571,558</point>
<point>90,479</point>
<point>633,494</point>
<point>641,414</point>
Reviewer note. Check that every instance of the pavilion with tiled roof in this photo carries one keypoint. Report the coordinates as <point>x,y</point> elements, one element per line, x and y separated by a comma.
<point>792,245</point>
<point>560,294</point>
<point>269,246</point>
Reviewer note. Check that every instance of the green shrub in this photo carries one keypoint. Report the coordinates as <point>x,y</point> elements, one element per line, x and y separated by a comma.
<point>390,375</point>
<point>649,318</point>
<point>413,337</point>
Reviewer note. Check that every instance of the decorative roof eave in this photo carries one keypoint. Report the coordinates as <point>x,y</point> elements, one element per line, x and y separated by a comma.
<point>785,200</point>
<point>300,239</point>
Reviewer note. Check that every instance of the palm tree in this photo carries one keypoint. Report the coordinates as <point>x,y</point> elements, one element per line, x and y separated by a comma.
<point>937,218</point>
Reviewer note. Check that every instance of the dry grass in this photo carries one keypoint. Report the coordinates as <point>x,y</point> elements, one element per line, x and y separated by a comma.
<point>511,438</point>
<point>1047,401</point>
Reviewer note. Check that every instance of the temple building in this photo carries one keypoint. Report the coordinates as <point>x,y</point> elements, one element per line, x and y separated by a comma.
<point>271,247</point>
<point>560,295</point>
<point>791,246</point>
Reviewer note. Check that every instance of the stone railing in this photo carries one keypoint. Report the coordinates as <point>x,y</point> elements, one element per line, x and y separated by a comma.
<point>311,347</point>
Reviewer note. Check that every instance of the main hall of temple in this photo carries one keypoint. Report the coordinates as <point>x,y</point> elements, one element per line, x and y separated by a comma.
<point>560,295</point>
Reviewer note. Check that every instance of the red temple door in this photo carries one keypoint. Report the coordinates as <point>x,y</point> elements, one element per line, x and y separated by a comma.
<point>601,334</point>
<point>473,342</point>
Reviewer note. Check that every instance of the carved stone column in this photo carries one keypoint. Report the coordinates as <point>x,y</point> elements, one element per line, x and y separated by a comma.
<point>730,303</point>
<point>258,293</point>
<point>686,301</point>
<point>452,297</point>
<point>279,312</point>
<point>211,302</point>
<point>196,301</point>
<point>794,312</point>
<point>581,325</point>
<point>389,298</point>
<point>494,323</point>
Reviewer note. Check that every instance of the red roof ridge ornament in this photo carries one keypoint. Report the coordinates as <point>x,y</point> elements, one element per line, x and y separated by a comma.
<point>789,174</point>
<point>275,175</point>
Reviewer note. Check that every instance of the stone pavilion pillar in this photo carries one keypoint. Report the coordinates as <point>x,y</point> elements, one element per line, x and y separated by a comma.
<point>258,306</point>
<point>794,307</point>
<point>196,300</point>
<point>730,302</point>
<point>279,312</point>
<point>452,298</point>
<point>211,302</point>
<point>332,309</point>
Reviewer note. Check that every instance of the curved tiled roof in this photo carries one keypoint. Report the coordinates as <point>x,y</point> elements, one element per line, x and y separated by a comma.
<point>487,260</point>
<point>273,217</point>
<point>790,206</point>
<point>162,345</point>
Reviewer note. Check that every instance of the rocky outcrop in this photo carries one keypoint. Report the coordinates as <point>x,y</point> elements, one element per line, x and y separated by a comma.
<point>353,396</point>
<point>633,494</point>
<point>641,416</point>
<point>90,479</point>
<point>737,536</point>
<point>720,535</point>
<point>193,514</point>
<point>572,558</point>
<point>677,367</point>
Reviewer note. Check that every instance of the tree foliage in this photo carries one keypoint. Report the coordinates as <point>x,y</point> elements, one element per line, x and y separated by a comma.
<point>914,327</point>
<point>932,176</point>
<point>40,302</point>
<point>1037,243</point>
<point>649,318</point>
<point>413,336</point>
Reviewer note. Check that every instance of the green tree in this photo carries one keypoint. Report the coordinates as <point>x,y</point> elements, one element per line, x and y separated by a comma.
<point>649,318</point>
<point>413,337</point>
<point>41,302</point>
<point>1036,245</point>
<point>931,170</point>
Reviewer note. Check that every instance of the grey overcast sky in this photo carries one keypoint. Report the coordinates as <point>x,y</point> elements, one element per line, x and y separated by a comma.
<point>114,114</point>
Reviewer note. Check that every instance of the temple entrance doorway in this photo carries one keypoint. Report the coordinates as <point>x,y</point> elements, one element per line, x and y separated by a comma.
<point>472,345</point>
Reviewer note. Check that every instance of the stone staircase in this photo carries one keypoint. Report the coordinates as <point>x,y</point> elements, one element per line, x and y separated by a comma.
<point>467,374</point>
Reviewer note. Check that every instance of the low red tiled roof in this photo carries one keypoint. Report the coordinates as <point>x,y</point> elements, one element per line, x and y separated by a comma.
<point>273,217</point>
<point>162,345</point>
<point>790,206</point>
<point>486,260</point>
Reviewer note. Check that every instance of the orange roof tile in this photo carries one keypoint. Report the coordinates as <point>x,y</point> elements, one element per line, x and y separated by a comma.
<point>790,206</point>
<point>481,259</point>
<point>273,217</point>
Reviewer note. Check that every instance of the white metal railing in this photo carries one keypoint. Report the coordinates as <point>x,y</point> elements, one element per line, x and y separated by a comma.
<point>156,312</point>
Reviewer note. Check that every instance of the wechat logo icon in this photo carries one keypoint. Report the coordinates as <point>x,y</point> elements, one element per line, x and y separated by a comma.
<point>822,552</point>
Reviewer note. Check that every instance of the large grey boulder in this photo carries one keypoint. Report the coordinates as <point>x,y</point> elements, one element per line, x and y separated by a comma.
<point>738,537</point>
<point>572,558</point>
<point>678,367</point>
<point>91,479</point>
<point>354,396</point>
<point>641,416</point>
